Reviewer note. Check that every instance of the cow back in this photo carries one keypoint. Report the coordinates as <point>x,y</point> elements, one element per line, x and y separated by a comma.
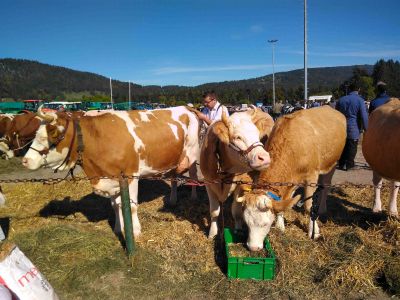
<point>135,142</point>
<point>381,142</point>
<point>306,140</point>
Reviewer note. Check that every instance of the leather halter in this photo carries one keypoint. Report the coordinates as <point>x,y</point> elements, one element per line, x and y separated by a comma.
<point>245,152</point>
<point>59,139</point>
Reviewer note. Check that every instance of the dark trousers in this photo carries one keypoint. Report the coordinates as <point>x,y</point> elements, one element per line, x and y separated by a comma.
<point>348,154</point>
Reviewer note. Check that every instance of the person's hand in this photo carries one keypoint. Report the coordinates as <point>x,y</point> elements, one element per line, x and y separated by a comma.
<point>201,116</point>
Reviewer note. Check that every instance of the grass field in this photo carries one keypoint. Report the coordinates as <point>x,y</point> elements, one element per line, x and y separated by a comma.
<point>67,232</point>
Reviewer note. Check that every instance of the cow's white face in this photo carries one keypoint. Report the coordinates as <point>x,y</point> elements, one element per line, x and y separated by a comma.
<point>243,134</point>
<point>259,212</point>
<point>33,159</point>
<point>6,150</point>
<point>258,216</point>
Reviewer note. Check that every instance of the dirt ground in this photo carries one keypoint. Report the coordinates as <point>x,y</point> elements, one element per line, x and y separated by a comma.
<point>361,174</point>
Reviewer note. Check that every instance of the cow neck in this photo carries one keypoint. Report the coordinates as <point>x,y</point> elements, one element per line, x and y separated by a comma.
<point>278,172</point>
<point>225,164</point>
<point>76,134</point>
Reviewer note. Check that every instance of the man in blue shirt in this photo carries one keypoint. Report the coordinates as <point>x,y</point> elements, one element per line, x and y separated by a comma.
<point>381,98</point>
<point>353,108</point>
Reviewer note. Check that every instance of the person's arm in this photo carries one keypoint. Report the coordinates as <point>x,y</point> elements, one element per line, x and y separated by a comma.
<point>364,115</point>
<point>204,118</point>
<point>371,108</point>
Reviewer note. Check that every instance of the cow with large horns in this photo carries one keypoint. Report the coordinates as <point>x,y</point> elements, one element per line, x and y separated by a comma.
<point>135,143</point>
<point>231,147</point>
<point>381,149</point>
<point>304,148</point>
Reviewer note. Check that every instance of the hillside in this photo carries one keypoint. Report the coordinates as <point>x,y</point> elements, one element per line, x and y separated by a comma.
<point>25,79</point>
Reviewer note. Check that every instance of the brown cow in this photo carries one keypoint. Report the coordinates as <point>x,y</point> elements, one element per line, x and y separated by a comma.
<point>303,146</point>
<point>19,134</point>
<point>232,147</point>
<point>381,149</point>
<point>137,143</point>
<point>5,123</point>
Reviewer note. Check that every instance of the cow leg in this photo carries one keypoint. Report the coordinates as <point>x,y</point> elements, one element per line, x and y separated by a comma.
<point>309,192</point>
<point>171,201</point>
<point>237,214</point>
<point>393,199</point>
<point>193,175</point>
<point>116,204</point>
<point>377,181</point>
<point>214,212</point>
<point>325,179</point>
<point>280,222</point>
<point>133,195</point>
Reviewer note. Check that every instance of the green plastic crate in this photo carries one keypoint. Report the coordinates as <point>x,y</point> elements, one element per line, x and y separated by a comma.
<point>258,268</point>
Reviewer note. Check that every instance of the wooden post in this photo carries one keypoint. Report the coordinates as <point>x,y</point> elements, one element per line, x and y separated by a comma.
<point>127,214</point>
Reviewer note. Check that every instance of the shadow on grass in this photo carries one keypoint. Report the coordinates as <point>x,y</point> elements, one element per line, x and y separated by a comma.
<point>343,212</point>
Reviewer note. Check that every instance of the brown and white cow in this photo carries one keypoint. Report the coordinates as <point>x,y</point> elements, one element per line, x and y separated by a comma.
<point>304,148</point>
<point>5,124</point>
<point>381,149</point>
<point>232,147</point>
<point>19,134</point>
<point>138,143</point>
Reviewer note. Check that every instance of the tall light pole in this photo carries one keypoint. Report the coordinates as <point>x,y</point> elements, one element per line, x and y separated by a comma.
<point>111,96</point>
<point>305,53</point>
<point>273,69</point>
<point>129,101</point>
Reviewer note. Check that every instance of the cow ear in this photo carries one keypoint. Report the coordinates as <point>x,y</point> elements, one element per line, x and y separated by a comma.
<point>221,131</point>
<point>264,203</point>
<point>279,206</point>
<point>239,195</point>
<point>265,126</point>
<point>263,122</point>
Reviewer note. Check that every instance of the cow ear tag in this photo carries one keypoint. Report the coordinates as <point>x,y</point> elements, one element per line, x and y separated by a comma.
<point>273,196</point>
<point>246,188</point>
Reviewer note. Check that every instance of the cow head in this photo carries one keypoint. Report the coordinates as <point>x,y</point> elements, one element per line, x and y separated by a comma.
<point>51,144</point>
<point>243,132</point>
<point>259,210</point>
<point>5,148</point>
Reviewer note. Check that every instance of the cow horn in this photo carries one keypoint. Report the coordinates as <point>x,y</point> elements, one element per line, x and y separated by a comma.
<point>46,117</point>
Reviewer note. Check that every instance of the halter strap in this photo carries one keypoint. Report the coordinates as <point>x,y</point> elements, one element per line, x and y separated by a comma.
<point>247,151</point>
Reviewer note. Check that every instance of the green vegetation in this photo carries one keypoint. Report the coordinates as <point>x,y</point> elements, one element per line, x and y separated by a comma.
<point>24,79</point>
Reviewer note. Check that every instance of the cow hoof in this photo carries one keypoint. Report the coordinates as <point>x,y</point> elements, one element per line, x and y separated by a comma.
<point>394,215</point>
<point>377,210</point>
<point>316,236</point>
<point>171,204</point>
<point>137,234</point>
<point>212,234</point>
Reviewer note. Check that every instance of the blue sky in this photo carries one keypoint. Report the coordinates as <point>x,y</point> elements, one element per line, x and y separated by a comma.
<point>193,42</point>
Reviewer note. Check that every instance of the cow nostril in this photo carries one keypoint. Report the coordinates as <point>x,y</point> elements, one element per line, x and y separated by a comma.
<point>260,158</point>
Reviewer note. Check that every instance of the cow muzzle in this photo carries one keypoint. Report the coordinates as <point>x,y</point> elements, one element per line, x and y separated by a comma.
<point>260,159</point>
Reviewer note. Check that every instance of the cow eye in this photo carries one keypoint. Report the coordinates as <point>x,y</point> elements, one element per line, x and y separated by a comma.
<point>238,138</point>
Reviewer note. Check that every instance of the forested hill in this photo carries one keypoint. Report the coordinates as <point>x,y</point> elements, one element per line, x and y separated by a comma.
<point>25,79</point>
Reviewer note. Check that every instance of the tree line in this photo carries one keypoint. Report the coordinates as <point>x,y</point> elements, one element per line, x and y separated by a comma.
<point>25,79</point>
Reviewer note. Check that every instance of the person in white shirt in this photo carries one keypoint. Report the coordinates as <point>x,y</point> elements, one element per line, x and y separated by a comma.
<point>213,109</point>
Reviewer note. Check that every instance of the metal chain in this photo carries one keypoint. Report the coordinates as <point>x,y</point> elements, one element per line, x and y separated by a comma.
<point>184,180</point>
